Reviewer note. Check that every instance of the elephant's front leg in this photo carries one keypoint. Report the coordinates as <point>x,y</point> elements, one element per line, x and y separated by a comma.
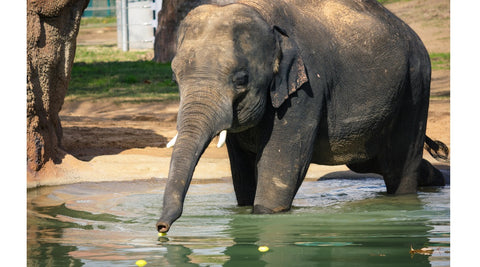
<point>284,160</point>
<point>242,164</point>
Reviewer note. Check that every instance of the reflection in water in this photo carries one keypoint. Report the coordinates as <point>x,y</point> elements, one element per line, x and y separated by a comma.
<point>50,254</point>
<point>178,255</point>
<point>333,223</point>
<point>347,237</point>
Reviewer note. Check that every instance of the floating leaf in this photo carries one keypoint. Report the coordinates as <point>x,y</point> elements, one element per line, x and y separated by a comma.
<point>422,251</point>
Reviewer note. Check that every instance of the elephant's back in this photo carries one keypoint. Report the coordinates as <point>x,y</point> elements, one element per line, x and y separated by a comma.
<point>369,54</point>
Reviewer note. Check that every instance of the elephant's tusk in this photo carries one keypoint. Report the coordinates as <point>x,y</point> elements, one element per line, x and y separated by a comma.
<point>172,142</point>
<point>221,138</point>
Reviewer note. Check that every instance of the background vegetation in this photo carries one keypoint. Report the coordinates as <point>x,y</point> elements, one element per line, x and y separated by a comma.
<point>105,71</point>
<point>440,61</point>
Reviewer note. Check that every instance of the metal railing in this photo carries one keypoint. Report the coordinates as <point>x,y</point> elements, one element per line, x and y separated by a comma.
<point>136,21</point>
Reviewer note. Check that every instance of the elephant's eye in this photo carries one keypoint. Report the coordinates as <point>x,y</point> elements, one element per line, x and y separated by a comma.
<point>240,78</point>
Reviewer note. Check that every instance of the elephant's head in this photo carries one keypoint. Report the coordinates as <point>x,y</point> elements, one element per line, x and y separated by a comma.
<point>228,60</point>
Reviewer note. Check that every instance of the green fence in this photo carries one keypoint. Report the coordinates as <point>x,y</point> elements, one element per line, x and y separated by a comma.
<point>100,8</point>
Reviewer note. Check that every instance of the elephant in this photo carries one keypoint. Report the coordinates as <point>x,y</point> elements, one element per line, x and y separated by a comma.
<point>287,83</point>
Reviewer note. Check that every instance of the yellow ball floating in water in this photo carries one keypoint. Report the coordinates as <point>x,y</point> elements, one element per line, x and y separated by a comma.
<point>141,263</point>
<point>162,234</point>
<point>263,248</point>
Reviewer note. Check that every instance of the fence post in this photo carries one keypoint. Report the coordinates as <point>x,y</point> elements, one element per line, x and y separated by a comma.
<point>125,25</point>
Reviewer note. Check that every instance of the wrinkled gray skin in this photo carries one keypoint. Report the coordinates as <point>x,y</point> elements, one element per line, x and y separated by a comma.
<point>328,82</point>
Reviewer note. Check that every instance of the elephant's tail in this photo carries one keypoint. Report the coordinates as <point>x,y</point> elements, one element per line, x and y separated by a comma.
<point>437,149</point>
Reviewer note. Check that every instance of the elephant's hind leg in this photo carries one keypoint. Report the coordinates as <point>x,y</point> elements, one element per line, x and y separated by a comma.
<point>401,160</point>
<point>401,179</point>
<point>429,175</point>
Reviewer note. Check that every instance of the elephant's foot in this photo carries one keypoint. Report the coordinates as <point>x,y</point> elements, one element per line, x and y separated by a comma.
<point>260,209</point>
<point>399,183</point>
<point>243,202</point>
<point>424,175</point>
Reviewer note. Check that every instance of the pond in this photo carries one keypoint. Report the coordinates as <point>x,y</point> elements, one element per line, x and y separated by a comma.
<point>337,222</point>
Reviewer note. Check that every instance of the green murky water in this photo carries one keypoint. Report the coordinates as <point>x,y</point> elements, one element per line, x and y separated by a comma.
<point>333,223</point>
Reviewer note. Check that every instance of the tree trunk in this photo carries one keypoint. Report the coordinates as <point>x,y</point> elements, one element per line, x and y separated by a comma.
<point>172,13</point>
<point>52,28</point>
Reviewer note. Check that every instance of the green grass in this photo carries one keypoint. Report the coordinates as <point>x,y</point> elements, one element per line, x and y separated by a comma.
<point>108,53</point>
<point>440,61</point>
<point>107,72</point>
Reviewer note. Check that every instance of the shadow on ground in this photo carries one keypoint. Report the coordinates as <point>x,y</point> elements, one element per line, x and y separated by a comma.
<point>85,143</point>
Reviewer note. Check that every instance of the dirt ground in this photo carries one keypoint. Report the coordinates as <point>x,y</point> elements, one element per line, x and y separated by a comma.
<point>108,141</point>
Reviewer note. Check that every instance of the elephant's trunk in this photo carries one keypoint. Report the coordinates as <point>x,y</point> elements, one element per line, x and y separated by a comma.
<point>201,117</point>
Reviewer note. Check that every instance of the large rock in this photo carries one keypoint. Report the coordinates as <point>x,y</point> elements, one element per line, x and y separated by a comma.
<point>52,28</point>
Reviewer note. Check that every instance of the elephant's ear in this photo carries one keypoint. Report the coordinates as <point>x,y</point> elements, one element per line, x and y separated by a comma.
<point>290,73</point>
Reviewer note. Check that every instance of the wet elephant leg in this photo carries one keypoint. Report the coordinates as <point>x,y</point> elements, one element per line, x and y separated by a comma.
<point>401,158</point>
<point>429,175</point>
<point>242,164</point>
<point>281,170</point>
<point>284,161</point>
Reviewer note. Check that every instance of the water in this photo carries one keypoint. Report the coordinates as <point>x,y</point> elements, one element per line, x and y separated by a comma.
<point>333,223</point>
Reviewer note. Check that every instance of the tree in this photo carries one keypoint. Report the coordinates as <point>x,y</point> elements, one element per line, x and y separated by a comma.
<point>52,28</point>
<point>169,17</point>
